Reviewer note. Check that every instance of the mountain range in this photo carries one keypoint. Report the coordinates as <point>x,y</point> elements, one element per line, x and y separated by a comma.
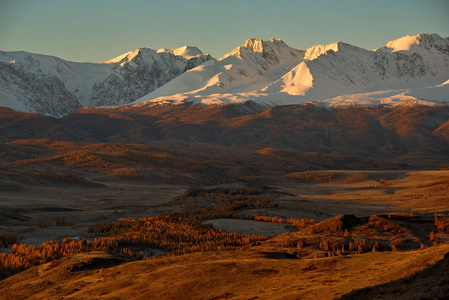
<point>52,86</point>
<point>406,71</point>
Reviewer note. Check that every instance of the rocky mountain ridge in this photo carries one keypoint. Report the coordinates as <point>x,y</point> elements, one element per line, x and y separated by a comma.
<point>407,71</point>
<point>52,86</point>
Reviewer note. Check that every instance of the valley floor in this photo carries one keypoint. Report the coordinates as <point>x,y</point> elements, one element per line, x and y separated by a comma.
<point>361,193</point>
<point>388,216</point>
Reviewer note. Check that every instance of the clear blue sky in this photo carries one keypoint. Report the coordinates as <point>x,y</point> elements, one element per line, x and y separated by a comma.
<point>98,30</point>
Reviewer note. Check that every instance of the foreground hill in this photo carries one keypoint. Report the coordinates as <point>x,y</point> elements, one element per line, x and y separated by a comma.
<point>242,274</point>
<point>430,283</point>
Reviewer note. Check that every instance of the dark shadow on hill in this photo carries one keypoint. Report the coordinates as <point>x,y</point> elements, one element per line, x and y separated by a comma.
<point>430,283</point>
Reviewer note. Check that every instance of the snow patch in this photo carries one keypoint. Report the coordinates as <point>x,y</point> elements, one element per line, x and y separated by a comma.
<point>187,52</point>
<point>405,43</point>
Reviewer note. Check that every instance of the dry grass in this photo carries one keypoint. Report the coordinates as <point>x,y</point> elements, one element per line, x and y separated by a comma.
<point>268,270</point>
<point>216,275</point>
<point>430,283</point>
<point>363,193</point>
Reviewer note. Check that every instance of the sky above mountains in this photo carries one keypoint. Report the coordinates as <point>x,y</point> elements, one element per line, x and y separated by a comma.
<point>96,31</point>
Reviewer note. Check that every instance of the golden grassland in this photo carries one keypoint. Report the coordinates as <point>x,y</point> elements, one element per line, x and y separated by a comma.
<point>343,229</point>
<point>241,274</point>
<point>324,260</point>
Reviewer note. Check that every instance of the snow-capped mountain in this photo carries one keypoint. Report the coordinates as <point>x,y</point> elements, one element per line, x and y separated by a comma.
<point>252,66</point>
<point>411,69</point>
<point>50,85</point>
<point>408,70</point>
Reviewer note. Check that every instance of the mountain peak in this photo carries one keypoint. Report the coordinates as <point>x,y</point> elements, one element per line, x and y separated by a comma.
<point>267,49</point>
<point>254,44</point>
<point>128,56</point>
<point>318,50</point>
<point>258,45</point>
<point>187,52</point>
<point>414,43</point>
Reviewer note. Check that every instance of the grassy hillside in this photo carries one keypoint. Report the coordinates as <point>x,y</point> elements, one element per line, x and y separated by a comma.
<point>243,274</point>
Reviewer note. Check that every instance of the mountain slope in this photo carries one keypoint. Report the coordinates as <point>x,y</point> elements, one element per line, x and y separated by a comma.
<point>380,131</point>
<point>407,69</point>
<point>251,66</point>
<point>52,86</point>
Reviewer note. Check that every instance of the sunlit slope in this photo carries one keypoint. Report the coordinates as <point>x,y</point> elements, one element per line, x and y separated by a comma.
<point>408,70</point>
<point>235,275</point>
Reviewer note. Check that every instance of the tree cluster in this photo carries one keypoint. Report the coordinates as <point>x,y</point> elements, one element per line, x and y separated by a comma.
<point>312,176</point>
<point>7,239</point>
<point>173,233</point>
